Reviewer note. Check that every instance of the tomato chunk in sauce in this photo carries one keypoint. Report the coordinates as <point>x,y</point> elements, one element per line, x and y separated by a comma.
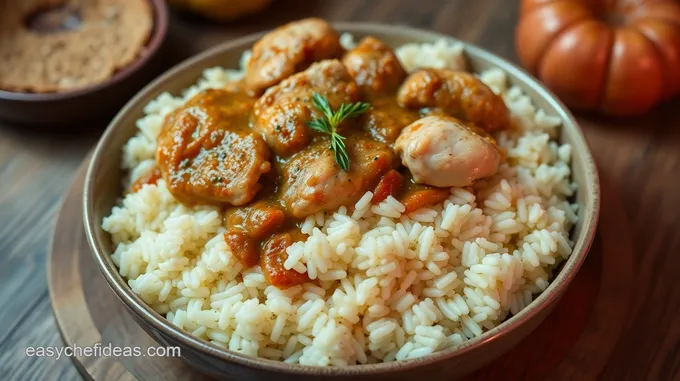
<point>273,257</point>
<point>388,186</point>
<point>243,247</point>
<point>424,197</point>
<point>150,177</point>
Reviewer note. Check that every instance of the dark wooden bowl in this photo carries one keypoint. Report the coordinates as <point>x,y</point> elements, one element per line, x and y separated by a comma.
<point>93,102</point>
<point>102,188</point>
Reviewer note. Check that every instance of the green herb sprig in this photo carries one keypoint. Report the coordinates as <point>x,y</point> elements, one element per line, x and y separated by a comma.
<point>328,124</point>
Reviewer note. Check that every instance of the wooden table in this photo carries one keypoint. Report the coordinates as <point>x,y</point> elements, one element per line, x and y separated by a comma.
<point>639,156</point>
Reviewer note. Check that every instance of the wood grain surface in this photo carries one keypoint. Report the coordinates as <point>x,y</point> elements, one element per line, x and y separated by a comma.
<point>639,157</point>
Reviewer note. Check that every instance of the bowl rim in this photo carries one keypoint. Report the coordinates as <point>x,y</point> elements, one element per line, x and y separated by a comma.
<point>159,32</point>
<point>543,301</point>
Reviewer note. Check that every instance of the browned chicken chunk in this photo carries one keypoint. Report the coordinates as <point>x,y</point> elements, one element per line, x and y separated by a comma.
<point>282,113</point>
<point>378,72</point>
<point>444,152</point>
<point>458,94</point>
<point>207,153</point>
<point>374,66</point>
<point>313,181</point>
<point>289,49</point>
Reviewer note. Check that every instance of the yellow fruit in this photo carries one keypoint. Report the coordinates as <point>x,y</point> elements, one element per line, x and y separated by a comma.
<point>221,10</point>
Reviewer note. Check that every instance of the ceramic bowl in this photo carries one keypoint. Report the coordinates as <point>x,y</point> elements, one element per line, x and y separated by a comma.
<point>93,102</point>
<point>102,188</point>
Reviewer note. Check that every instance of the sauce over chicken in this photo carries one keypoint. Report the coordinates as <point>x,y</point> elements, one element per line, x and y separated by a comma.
<point>250,149</point>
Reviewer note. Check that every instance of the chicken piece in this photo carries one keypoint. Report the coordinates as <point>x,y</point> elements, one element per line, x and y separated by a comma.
<point>313,181</point>
<point>289,49</point>
<point>378,72</point>
<point>456,93</point>
<point>385,120</point>
<point>445,152</point>
<point>374,67</point>
<point>282,113</point>
<point>207,153</point>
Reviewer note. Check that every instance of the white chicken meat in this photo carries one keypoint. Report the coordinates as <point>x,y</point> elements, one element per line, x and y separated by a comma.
<point>445,152</point>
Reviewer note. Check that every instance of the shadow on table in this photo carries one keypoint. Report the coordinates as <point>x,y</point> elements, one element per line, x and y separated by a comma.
<point>663,117</point>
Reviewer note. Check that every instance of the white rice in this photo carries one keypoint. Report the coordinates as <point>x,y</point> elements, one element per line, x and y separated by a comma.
<point>391,286</point>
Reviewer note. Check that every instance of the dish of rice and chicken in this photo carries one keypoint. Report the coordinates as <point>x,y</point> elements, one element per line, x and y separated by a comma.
<point>337,203</point>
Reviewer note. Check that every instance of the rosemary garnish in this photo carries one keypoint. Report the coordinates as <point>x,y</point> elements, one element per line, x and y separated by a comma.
<point>328,124</point>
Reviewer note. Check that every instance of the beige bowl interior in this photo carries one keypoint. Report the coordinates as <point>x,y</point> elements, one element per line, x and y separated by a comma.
<point>103,188</point>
